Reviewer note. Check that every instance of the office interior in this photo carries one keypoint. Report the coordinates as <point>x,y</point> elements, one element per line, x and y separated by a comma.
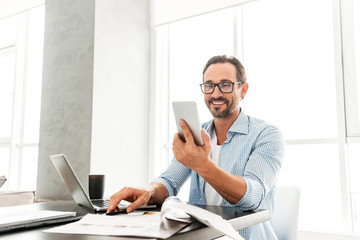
<point>95,79</point>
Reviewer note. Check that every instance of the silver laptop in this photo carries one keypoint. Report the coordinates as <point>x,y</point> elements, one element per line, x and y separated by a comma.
<point>77,191</point>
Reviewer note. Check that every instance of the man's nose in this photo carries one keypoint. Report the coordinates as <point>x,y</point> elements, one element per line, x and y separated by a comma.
<point>217,92</point>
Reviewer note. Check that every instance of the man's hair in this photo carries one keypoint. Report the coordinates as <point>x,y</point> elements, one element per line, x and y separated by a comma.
<point>240,71</point>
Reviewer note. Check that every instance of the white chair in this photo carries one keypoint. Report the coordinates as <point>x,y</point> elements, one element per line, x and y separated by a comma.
<point>286,212</point>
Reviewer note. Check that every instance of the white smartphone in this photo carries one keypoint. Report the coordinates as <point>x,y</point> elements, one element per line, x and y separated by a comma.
<point>2,180</point>
<point>188,112</point>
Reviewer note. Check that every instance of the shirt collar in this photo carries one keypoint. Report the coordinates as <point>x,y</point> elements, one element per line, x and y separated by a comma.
<point>241,125</point>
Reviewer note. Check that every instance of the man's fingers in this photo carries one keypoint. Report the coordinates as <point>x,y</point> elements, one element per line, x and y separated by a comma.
<point>112,205</point>
<point>205,137</point>
<point>135,205</point>
<point>116,199</point>
<point>177,138</point>
<point>187,133</point>
<point>139,197</point>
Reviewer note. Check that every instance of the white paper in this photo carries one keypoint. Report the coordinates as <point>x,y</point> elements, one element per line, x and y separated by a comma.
<point>14,216</point>
<point>174,216</point>
<point>146,225</point>
<point>209,219</point>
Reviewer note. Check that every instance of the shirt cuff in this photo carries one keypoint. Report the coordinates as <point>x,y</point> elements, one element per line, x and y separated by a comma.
<point>252,197</point>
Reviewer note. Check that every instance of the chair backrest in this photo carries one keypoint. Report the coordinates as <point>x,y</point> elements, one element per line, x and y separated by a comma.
<point>286,211</point>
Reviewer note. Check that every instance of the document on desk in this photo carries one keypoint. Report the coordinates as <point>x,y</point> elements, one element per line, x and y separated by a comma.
<point>174,216</point>
<point>136,225</point>
<point>208,218</point>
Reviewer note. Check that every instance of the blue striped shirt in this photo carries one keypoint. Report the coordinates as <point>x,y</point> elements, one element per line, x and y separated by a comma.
<point>253,150</point>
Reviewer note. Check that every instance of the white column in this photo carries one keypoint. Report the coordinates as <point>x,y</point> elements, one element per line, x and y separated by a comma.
<point>67,90</point>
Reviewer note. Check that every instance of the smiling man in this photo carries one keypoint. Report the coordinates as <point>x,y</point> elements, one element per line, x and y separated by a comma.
<point>238,163</point>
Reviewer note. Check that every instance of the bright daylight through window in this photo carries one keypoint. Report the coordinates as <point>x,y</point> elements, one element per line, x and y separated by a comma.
<point>292,64</point>
<point>21,46</point>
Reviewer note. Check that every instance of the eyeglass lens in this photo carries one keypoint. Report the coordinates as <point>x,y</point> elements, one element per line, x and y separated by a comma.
<point>225,87</point>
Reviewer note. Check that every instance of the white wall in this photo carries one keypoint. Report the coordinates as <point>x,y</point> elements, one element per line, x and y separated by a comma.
<point>119,146</point>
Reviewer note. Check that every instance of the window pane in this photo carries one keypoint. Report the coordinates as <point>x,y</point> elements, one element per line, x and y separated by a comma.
<point>7,77</point>
<point>354,168</point>
<point>29,168</point>
<point>192,43</point>
<point>34,75</point>
<point>356,8</point>
<point>289,61</point>
<point>8,28</point>
<point>315,169</point>
<point>355,201</point>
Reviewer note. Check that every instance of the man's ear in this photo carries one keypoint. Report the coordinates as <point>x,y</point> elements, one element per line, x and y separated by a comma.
<point>244,89</point>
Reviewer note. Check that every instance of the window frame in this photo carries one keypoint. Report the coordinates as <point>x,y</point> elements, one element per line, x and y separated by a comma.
<point>350,79</point>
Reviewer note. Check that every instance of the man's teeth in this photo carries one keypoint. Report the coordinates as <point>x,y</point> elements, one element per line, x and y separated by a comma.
<point>217,102</point>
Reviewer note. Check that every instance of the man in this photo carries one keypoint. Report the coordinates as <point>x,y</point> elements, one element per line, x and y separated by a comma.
<point>238,163</point>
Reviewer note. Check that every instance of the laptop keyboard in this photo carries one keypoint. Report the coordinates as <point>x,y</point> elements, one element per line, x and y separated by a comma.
<point>104,203</point>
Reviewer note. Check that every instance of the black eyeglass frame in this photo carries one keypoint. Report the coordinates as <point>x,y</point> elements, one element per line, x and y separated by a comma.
<point>218,85</point>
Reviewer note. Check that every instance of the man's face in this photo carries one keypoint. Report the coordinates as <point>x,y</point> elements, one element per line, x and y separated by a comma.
<point>222,105</point>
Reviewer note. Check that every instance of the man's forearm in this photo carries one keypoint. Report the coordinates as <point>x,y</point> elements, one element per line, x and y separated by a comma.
<point>231,187</point>
<point>158,193</point>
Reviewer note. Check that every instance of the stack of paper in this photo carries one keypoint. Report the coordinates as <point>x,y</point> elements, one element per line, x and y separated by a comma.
<point>14,198</point>
<point>174,216</point>
<point>206,217</point>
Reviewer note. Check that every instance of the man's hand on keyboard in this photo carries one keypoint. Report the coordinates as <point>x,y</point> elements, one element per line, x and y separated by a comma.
<point>137,196</point>
<point>155,193</point>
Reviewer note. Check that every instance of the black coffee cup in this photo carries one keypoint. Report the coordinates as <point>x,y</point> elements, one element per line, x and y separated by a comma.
<point>96,186</point>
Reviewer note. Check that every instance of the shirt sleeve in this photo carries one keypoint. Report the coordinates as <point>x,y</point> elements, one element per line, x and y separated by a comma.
<point>174,177</point>
<point>262,168</point>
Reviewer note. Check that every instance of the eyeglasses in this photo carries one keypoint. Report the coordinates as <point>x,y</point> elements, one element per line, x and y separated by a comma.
<point>224,87</point>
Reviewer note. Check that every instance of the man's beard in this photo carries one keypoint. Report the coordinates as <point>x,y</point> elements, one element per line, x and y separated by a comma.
<point>223,114</point>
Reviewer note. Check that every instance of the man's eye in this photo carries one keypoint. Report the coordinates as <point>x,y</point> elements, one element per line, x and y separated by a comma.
<point>226,84</point>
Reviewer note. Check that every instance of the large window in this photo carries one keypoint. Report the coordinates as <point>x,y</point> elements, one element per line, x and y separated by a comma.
<point>294,63</point>
<point>21,45</point>
<point>290,66</point>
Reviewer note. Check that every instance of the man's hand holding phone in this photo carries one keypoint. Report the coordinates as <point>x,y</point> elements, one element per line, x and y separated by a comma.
<point>188,153</point>
<point>187,111</point>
